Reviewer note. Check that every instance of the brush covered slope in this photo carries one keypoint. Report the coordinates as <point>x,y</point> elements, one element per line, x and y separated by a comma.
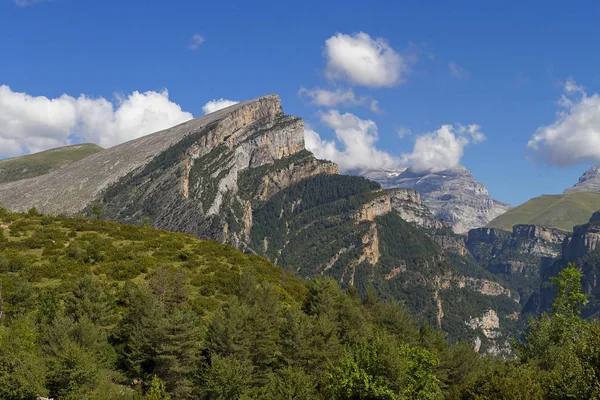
<point>92,309</point>
<point>561,211</point>
<point>32,165</point>
<point>242,176</point>
<point>99,310</point>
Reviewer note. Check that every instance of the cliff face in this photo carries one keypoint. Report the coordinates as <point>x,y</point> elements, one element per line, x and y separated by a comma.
<point>585,239</point>
<point>71,189</point>
<point>520,257</point>
<point>452,195</point>
<point>581,249</point>
<point>407,203</point>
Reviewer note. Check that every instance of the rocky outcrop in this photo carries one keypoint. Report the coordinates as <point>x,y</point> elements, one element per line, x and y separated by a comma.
<point>519,256</point>
<point>274,181</point>
<point>483,286</point>
<point>450,243</point>
<point>452,195</point>
<point>489,326</point>
<point>489,323</point>
<point>379,206</point>
<point>585,239</point>
<point>407,203</point>
<point>588,182</point>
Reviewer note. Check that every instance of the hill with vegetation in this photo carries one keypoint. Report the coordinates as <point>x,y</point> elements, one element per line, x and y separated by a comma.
<point>32,165</point>
<point>98,310</point>
<point>561,211</point>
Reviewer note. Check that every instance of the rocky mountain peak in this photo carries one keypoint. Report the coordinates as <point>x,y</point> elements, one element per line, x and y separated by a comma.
<point>453,195</point>
<point>588,182</point>
<point>70,189</point>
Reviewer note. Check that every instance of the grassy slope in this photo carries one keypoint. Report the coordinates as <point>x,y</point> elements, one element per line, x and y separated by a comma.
<point>562,211</point>
<point>29,166</point>
<point>48,252</point>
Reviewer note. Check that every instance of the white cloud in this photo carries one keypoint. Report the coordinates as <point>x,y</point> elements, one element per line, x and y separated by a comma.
<point>574,137</point>
<point>355,146</point>
<point>339,97</point>
<point>216,105</point>
<point>36,123</point>
<point>328,98</point>
<point>197,41</point>
<point>374,106</point>
<point>361,60</point>
<point>457,71</point>
<point>442,149</point>
<point>357,138</point>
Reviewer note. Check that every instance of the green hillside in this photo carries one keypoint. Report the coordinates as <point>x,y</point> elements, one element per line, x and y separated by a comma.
<point>99,310</point>
<point>29,166</point>
<point>93,309</point>
<point>561,211</point>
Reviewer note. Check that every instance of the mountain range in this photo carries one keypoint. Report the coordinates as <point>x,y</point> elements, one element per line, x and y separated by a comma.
<point>242,176</point>
<point>453,195</point>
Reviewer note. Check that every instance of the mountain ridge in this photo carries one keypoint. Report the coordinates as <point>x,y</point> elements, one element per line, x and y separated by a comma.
<point>44,162</point>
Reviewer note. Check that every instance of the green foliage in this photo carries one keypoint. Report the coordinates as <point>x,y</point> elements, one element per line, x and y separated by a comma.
<point>196,319</point>
<point>157,390</point>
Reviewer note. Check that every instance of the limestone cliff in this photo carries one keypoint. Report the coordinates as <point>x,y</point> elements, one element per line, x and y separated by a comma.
<point>520,256</point>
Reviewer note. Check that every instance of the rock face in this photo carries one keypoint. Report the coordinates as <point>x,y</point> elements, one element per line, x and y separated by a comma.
<point>489,325</point>
<point>452,195</point>
<point>71,189</point>
<point>519,257</point>
<point>407,203</point>
<point>585,239</point>
<point>588,182</point>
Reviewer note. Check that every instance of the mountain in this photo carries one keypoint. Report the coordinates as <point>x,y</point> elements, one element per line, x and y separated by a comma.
<point>562,211</point>
<point>32,165</point>
<point>93,309</point>
<point>453,195</point>
<point>242,176</point>
<point>588,182</point>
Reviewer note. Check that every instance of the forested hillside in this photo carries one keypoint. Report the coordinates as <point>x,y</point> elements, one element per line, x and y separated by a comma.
<point>98,310</point>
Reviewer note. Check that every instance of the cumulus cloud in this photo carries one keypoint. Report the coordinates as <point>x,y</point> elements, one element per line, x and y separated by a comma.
<point>35,123</point>
<point>443,148</point>
<point>457,71</point>
<point>216,105</point>
<point>197,41</point>
<point>361,60</point>
<point>355,146</point>
<point>574,137</point>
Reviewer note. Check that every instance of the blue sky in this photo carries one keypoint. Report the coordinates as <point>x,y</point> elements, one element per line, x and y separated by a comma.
<point>511,62</point>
